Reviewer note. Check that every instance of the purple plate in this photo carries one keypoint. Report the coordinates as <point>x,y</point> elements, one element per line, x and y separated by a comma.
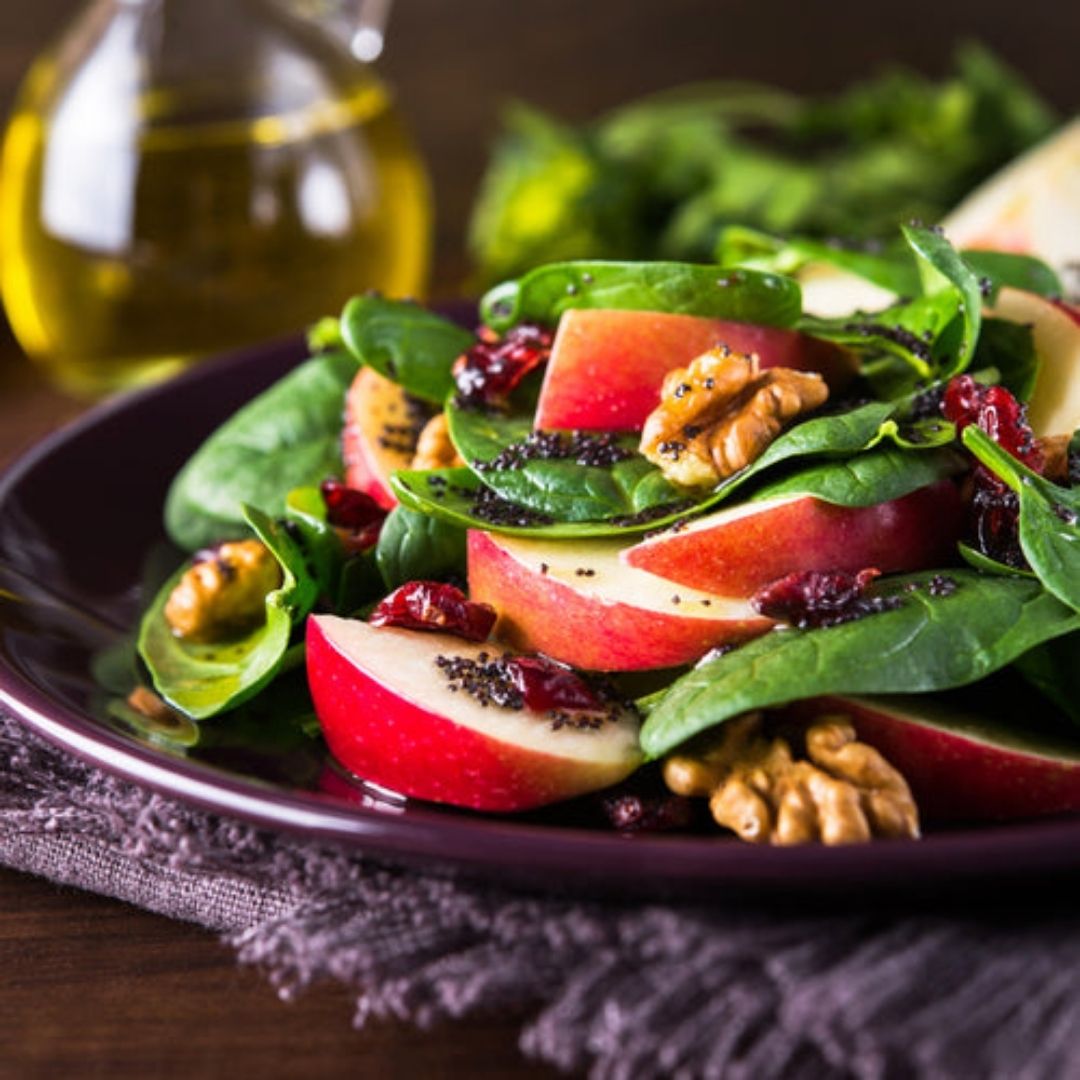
<point>80,531</point>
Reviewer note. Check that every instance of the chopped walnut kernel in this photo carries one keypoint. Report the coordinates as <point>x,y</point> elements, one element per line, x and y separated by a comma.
<point>434,450</point>
<point>843,792</point>
<point>1054,451</point>
<point>719,414</point>
<point>223,593</point>
<point>145,702</point>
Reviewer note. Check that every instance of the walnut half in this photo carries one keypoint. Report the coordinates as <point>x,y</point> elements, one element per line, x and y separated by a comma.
<point>434,450</point>
<point>223,592</point>
<point>719,414</point>
<point>843,792</point>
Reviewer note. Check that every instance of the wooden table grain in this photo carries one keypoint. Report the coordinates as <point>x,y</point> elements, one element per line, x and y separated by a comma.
<point>93,988</point>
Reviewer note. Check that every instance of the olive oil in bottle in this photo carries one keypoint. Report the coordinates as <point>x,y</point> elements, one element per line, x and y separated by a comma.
<point>185,176</point>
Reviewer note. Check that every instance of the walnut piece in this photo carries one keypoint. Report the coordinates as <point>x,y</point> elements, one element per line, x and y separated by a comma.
<point>1055,454</point>
<point>719,414</point>
<point>434,450</point>
<point>145,702</point>
<point>223,593</point>
<point>843,792</point>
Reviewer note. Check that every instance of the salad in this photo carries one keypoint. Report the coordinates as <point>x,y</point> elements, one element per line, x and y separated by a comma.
<point>662,176</point>
<point>656,531</point>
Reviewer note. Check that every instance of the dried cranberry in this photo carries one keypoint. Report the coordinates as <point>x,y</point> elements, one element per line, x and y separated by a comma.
<point>348,508</point>
<point>994,509</point>
<point>634,813</point>
<point>546,685</point>
<point>642,803</point>
<point>493,367</point>
<point>431,605</point>
<point>993,526</point>
<point>997,412</point>
<point>816,598</point>
<point>356,516</point>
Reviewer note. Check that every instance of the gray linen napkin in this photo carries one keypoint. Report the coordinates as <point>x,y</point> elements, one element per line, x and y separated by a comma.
<point>624,990</point>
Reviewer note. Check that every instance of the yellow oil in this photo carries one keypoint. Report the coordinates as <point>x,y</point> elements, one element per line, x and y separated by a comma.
<point>127,249</point>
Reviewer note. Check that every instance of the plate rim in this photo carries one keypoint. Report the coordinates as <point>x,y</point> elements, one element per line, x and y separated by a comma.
<point>433,836</point>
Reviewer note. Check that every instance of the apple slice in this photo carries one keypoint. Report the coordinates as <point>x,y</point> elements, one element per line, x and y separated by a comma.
<point>378,435</point>
<point>737,550</point>
<point>389,715</point>
<point>1054,408</point>
<point>578,602</point>
<point>831,293</point>
<point>1031,206</point>
<point>606,367</point>
<point>962,766</point>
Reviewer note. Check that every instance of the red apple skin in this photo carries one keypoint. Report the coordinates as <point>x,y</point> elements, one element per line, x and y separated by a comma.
<point>371,404</point>
<point>606,367</point>
<point>744,551</point>
<point>1070,309</point>
<point>961,777</point>
<point>540,614</point>
<point>380,736</point>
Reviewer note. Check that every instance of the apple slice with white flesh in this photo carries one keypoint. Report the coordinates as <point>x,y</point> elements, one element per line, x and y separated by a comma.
<point>965,766</point>
<point>1054,406</point>
<point>577,602</point>
<point>377,438</point>
<point>389,715</point>
<point>1032,206</point>
<point>738,550</point>
<point>607,367</point>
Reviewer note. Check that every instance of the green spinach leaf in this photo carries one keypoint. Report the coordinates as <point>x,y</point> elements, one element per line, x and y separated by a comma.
<point>543,294</point>
<point>978,561</point>
<point>1049,518</point>
<point>948,280</point>
<point>935,332</point>
<point>558,488</point>
<point>661,176</point>
<point>346,582</point>
<point>1006,352</point>
<point>305,513</point>
<point>547,196</point>
<point>927,643</point>
<point>1004,268</point>
<point>836,435</point>
<point>866,479</point>
<point>892,267</point>
<point>203,680</point>
<point>927,434</point>
<point>1053,668</point>
<point>414,546</point>
<point>288,437</point>
<point>325,336</point>
<point>406,343</point>
<point>450,495</point>
<point>280,723</point>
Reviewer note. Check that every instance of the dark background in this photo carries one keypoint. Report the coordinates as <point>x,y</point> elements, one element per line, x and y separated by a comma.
<point>452,62</point>
<point>89,987</point>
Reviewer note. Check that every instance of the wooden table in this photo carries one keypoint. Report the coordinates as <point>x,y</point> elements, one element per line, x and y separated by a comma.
<point>90,987</point>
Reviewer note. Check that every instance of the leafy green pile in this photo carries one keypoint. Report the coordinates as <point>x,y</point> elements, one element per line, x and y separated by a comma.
<point>661,178</point>
<point>934,333</point>
<point>258,473</point>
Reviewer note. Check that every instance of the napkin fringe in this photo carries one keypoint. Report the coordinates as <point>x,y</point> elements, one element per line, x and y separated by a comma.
<point>658,991</point>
